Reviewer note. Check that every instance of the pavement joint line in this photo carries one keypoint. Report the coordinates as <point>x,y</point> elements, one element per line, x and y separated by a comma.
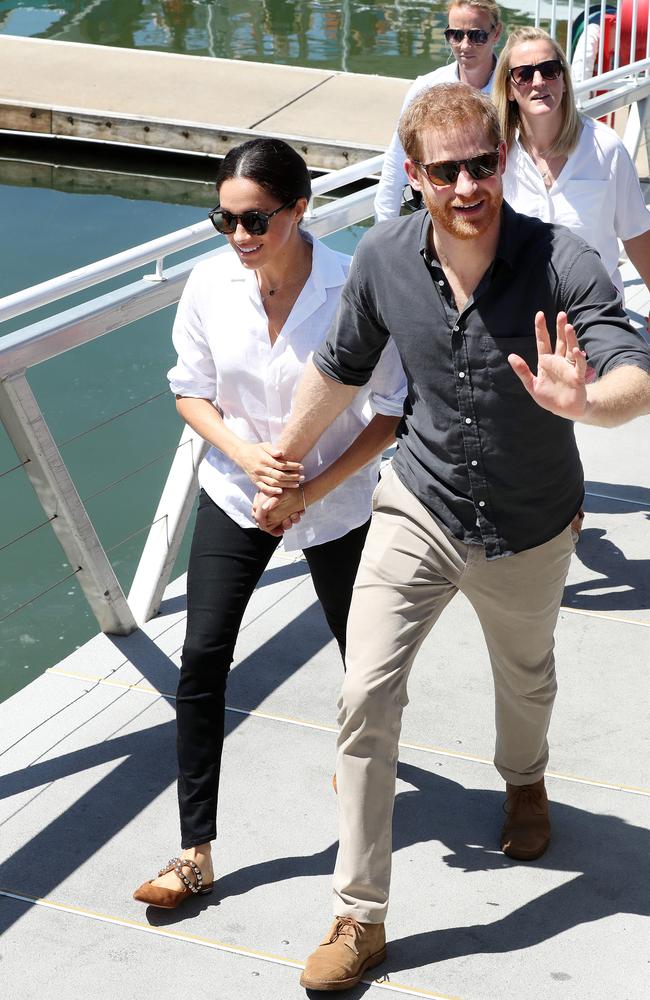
<point>604,617</point>
<point>80,911</point>
<point>271,114</point>
<point>606,496</point>
<point>324,728</point>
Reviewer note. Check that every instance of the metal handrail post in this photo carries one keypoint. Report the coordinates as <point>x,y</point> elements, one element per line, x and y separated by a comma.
<point>169,524</point>
<point>62,505</point>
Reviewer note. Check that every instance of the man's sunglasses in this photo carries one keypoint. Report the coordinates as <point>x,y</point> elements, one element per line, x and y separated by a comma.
<point>478,167</point>
<point>550,69</point>
<point>255,223</point>
<point>475,36</point>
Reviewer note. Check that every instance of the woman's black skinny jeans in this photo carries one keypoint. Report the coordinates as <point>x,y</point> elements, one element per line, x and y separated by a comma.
<point>226,563</point>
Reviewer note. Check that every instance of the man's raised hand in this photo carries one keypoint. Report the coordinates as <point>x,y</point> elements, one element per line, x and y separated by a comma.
<point>559,385</point>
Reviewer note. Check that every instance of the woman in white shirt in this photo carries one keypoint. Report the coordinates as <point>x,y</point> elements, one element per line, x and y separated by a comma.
<point>562,166</point>
<point>247,323</point>
<point>473,30</point>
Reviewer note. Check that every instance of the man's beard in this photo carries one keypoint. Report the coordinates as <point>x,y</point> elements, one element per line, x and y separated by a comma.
<point>460,227</point>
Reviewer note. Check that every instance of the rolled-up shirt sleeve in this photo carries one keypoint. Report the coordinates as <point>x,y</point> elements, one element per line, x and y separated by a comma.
<point>388,383</point>
<point>355,342</point>
<point>194,373</point>
<point>595,309</point>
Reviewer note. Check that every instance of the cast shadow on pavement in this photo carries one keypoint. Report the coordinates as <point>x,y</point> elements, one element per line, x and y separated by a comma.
<point>622,584</point>
<point>609,856</point>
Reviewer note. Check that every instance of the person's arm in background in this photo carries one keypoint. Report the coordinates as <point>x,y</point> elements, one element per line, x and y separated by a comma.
<point>388,200</point>
<point>638,250</point>
<point>583,62</point>
<point>631,215</point>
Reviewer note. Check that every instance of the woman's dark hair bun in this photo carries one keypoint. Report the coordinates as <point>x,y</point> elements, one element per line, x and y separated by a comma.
<point>272,164</point>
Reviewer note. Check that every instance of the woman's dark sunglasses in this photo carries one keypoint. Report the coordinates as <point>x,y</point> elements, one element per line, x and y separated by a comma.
<point>476,36</point>
<point>550,69</point>
<point>255,223</point>
<point>478,167</point>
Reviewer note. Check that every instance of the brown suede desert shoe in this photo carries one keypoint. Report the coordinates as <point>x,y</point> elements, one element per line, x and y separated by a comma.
<point>527,830</point>
<point>344,955</point>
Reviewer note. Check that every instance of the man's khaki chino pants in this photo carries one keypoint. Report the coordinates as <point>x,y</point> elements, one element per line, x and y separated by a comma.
<point>410,570</point>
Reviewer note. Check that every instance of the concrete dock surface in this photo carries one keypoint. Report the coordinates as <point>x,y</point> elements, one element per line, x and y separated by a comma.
<point>88,805</point>
<point>192,103</point>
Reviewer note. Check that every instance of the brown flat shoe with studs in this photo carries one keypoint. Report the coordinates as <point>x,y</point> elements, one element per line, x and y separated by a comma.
<point>169,899</point>
<point>343,956</point>
<point>526,832</point>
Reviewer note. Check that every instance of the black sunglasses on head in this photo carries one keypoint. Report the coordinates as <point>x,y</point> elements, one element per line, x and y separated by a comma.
<point>478,167</point>
<point>254,222</point>
<point>476,36</point>
<point>550,69</point>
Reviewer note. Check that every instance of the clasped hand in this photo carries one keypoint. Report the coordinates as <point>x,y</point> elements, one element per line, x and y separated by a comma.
<point>267,469</point>
<point>277,514</point>
<point>559,385</point>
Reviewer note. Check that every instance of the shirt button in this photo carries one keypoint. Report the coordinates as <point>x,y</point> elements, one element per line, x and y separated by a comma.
<point>456,328</point>
<point>461,374</point>
<point>468,420</point>
<point>481,503</point>
<point>441,283</point>
<point>474,462</point>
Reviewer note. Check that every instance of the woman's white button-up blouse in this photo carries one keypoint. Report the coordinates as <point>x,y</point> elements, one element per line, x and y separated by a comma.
<point>225,355</point>
<point>597,194</point>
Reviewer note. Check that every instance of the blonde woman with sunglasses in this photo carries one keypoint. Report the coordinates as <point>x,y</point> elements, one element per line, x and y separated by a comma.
<point>564,167</point>
<point>246,326</point>
<point>473,30</point>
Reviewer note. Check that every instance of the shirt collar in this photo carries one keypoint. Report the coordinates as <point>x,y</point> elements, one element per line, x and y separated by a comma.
<point>327,269</point>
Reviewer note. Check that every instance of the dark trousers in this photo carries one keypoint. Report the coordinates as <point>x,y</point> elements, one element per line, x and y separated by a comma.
<point>226,563</point>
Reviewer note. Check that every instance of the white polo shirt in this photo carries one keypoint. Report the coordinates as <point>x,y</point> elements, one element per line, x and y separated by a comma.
<point>225,355</point>
<point>597,194</point>
<point>388,199</point>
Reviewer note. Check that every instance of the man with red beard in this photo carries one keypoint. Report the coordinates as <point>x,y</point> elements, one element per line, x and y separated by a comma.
<point>485,483</point>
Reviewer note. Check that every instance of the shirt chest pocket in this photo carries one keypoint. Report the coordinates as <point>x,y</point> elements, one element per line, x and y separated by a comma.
<point>502,378</point>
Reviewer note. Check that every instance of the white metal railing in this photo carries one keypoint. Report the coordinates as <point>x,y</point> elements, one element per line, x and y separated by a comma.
<point>592,55</point>
<point>621,86</point>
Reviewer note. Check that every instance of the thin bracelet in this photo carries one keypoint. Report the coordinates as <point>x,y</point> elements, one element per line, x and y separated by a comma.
<point>304,502</point>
